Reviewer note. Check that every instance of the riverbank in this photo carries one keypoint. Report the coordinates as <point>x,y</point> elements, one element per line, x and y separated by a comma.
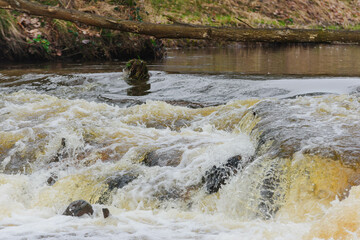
<point>25,38</point>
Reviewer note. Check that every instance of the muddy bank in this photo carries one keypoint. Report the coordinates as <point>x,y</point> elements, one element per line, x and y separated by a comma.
<point>25,38</point>
<point>39,39</point>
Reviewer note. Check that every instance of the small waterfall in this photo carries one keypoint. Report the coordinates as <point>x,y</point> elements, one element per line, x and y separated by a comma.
<point>297,157</point>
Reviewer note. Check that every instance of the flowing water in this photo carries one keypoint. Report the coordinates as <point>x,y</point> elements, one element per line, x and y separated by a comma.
<point>147,151</point>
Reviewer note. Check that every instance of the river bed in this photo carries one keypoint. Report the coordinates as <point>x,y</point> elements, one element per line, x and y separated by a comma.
<point>291,112</point>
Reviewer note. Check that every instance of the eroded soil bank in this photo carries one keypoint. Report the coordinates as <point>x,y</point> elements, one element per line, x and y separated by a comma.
<point>29,38</point>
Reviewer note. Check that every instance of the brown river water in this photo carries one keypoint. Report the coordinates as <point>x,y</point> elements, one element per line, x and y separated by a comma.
<point>149,151</point>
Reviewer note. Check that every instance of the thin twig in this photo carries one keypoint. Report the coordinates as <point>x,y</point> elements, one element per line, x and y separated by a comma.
<point>244,22</point>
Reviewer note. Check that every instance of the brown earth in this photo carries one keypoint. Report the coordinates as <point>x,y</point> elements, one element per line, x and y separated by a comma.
<point>25,38</point>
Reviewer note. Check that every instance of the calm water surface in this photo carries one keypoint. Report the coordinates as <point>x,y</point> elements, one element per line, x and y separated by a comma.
<point>330,60</point>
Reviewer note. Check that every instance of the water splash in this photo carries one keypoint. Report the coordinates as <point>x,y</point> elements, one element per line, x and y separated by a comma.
<point>301,155</point>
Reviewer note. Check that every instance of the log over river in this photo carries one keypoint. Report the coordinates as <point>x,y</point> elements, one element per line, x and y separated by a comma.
<point>240,143</point>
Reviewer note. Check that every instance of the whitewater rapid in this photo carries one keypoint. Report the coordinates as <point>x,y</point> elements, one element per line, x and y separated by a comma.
<point>302,132</point>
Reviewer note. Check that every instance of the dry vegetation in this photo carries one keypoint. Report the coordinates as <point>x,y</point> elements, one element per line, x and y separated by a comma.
<point>261,13</point>
<point>27,38</point>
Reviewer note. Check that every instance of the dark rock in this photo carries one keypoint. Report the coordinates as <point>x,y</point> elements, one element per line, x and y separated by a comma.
<point>106,212</point>
<point>78,208</point>
<point>116,181</point>
<point>234,162</point>
<point>217,176</point>
<point>187,104</point>
<point>119,181</point>
<point>136,70</point>
<point>165,194</point>
<point>63,143</point>
<point>52,180</point>
<point>151,159</point>
<point>162,158</point>
<point>272,191</point>
<point>307,95</point>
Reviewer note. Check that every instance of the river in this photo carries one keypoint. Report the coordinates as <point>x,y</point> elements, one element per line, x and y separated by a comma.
<point>150,152</point>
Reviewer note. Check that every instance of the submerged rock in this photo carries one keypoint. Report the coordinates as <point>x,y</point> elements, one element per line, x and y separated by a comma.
<point>61,152</point>
<point>217,176</point>
<point>52,180</point>
<point>162,158</point>
<point>325,126</point>
<point>120,180</point>
<point>79,208</point>
<point>117,181</point>
<point>136,70</point>
<point>271,191</point>
<point>165,194</point>
<point>187,104</point>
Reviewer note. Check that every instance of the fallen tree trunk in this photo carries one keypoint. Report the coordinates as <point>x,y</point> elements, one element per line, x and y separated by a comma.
<point>186,31</point>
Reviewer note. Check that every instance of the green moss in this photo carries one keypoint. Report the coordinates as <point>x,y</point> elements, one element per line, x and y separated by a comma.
<point>136,70</point>
<point>355,27</point>
<point>281,23</point>
<point>333,27</point>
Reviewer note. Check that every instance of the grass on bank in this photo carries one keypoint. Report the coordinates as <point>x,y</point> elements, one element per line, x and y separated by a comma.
<point>259,13</point>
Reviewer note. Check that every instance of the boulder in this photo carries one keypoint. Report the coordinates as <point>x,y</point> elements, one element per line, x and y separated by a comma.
<point>79,208</point>
<point>136,70</point>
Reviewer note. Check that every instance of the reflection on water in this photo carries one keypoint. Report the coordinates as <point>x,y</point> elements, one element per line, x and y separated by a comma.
<point>337,60</point>
<point>138,87</point>
<point>296,59</point>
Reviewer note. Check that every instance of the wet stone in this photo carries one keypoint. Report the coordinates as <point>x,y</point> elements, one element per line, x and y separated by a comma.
<point>164,194</point>
<point>184,103</point>
<point>287,126</point>
<point>52,180</point>
<point>106,212</point>
<point>60,153</point>
<point>217,176</point>
<point>79,208</point>
<point>271,192</point>
<point>119,181</point>
<point>136,70</point>
<point>162,158</point>
<point>312,94</point>
<point>116,181</point>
